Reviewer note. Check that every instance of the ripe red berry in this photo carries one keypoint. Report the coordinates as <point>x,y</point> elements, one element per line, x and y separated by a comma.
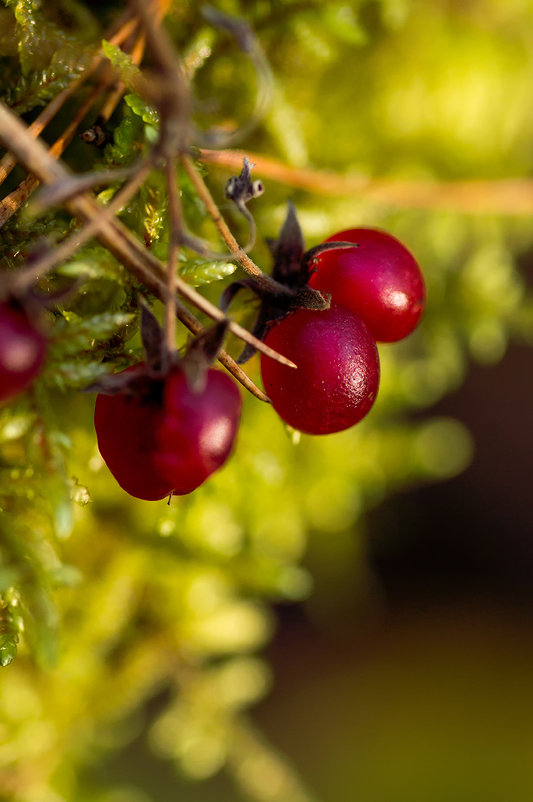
<point>338,370</point>
<point>379,280</point>
<point>171,439</point>
<point>22,351</point>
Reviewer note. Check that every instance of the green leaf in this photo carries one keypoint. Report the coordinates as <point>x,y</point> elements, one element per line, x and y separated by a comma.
<point>123,64</point>
<point>127,140</point>
<point>198,271</point>
<point>38,87</point>
<point>92,263</point>
<point>8,648</point>
<point>73,333</point>
<point>142,109</point>
<point>72,374</point>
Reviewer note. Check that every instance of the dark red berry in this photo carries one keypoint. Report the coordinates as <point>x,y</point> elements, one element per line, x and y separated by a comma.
<point>171,439</point>
<point>338,370</point>
<point>22,351</point>
<point>379,280</point>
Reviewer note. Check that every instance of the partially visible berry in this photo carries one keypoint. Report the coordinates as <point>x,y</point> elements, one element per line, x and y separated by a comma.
<point>22,350</point>
<point>126,430</point>
<point>338,370</point>
<point>379,280</point>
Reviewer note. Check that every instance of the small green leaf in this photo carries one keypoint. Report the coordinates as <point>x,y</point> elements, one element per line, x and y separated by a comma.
<point>142,109</point>
<point>92,263</point>
<point>8,648</point>
<point>72,374</point>
<point>97,327</point>
<point>127,140</point>
<point>198,272</point>
<point>123,64</point>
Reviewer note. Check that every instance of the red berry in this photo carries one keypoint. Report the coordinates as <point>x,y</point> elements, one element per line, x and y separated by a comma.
<point>338,370</point>
<point>171,441</point>
<point>22,351</point>
<point>379,280</point>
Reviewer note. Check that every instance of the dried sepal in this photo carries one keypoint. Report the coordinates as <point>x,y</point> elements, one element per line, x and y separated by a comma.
<point>155,350</point>
<point>201,353</point>
<point>288,251</point>
<point>291,271</point>
<point>241,189</point>
<point>234,288</point>
<point>310,257</point>
<point>137,383</point>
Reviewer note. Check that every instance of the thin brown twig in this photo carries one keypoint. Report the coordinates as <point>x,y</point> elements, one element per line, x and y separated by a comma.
<point>149,262</point>
<point>117,91</point>
<point>8,161</point>
<point>12,202</point>
<point>166,89</point>
<point>174,239</point>
<point>213,211</point>
<point>65,249</point>
<point>507,196</point>
<point>117,239</point>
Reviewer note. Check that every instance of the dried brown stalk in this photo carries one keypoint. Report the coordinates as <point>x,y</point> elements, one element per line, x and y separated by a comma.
<point>62,251</point>
<point>114,236</point>
<point>8,162</point>
<point>174,239</point>
<point>12,202</point>
<point>510,196</point>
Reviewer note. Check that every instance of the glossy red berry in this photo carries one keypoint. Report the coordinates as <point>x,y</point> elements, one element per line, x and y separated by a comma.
<point>338,370</point>
<point>379,280</point>
<point>22,351</point>
<point>170,440</point>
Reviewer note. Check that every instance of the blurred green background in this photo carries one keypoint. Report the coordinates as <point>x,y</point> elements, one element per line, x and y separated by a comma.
<point>339,618</point>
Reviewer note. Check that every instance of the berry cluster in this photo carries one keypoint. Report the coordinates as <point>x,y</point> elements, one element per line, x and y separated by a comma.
<point>166,424</point>
<point>376,293</point>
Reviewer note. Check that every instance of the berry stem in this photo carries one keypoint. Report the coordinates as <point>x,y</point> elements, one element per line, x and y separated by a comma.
<point>263,281</point>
